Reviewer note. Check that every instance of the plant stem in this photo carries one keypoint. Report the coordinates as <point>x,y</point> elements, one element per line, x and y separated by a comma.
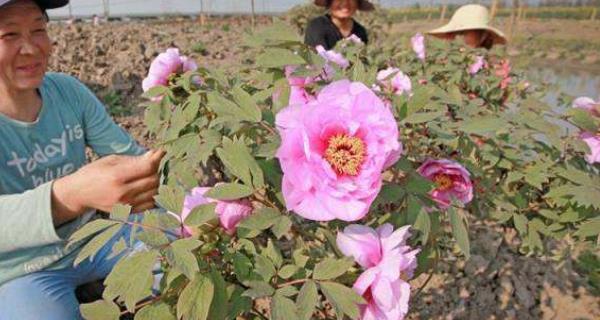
<point>293,282</point>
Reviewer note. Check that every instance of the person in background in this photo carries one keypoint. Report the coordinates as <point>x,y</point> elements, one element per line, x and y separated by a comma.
<point>337,24</point>
<point>472,23</point>
<point>47,190</point>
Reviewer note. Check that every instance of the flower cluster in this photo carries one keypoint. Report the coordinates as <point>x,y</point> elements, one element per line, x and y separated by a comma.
<point>388,262</point>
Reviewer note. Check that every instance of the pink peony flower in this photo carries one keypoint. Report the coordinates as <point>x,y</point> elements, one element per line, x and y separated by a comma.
<point>477,65</point>
<point>166,64</point>
<point>388,261</point>
<point>393,80</point>
<point>298,94</point>
<point>331,56</point>
<point>230,213</point>
<point>418,45</point>
<point>354,38</point>
<point>593,142</point>
<point>333,151</point>
<point>452,180</point>
<point>588,104</point>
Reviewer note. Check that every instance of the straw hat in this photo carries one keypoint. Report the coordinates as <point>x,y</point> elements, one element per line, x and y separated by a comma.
<point>470,17</point>
<point>363,5</point>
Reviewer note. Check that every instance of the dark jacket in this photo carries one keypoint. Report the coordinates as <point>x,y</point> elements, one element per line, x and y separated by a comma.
<point>322,31</point>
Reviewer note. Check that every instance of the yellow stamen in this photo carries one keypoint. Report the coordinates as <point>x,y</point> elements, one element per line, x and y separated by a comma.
<point>443,181</point>
<point>345,154</point>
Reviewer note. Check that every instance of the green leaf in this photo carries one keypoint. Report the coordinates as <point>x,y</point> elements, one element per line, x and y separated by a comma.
<point>459,231</point>
<point>264,267</point>
<point>582,119</point>
<point>170,198</point>
<point>155,311</point>
<point>179,254</point>
<point>236,156</point>
<point>273,253</point>
<point>120,212</point>
<point>520,222</point>
<point>307,300</point>
<point>421,97</point>
<point>90,229</point>
<point>589,228</point>
<point>276,58</point>
<point>218,307</point>
<point>258,289</point>
<point>287,271</point>
<point>97,243</point>
<point>260,220</point>
<point>283,308</point>
<point>131,279</point>
<point>422,117</point>
<point>331,268</point>
<point>229,191</point>
<point>344,299</point>
<point>195,300</point>
<point>246,103</point>
<point>153,238</point>
<point>281,226</point>
<point>483,125</point>
<point>100,310</point>
<point>201,214</point>
<point>423,224</point>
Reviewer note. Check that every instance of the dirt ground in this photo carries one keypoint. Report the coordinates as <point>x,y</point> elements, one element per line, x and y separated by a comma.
<point>496,283</point>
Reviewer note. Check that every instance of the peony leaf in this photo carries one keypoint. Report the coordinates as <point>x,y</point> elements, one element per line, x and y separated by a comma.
<point>219,306</point>
<point>195,300</point>
<point>246,103</point>
<point>131,279</point>
<point>170,198</point>
<point>276,58</point>
<point>90,229</point>
<point>331,268</point>
<point>100,310</point>
<point>179,254</point>
<point>307,300</point>
<point>459,231</point>
<point>155,311</point>
<point>120,212</point>
<point>201,214</point>
<point>283,308</point>
<point>98,242</point>
<point>344,299</point>
<point>229,191</point>
<point>258,289</point>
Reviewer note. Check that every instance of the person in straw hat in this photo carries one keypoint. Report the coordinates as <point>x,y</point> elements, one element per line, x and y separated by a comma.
<point>472,23</point>
<point>337,24</point>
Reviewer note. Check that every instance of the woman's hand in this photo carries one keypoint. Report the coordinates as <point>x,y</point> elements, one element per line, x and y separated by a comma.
<point>106,182</point>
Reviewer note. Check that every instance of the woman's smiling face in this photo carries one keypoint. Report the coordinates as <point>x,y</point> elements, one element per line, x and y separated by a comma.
<point>343,9</point>
<point>24,46</point>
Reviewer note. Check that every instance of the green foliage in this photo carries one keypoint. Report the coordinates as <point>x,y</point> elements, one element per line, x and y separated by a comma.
<point>525,160</point>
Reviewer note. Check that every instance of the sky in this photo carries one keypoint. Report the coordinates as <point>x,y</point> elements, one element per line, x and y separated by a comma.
<point>155,7</point>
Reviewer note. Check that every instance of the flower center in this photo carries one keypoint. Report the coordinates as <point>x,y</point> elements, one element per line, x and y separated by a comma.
<point>443,181</point>
<point>345,154</point>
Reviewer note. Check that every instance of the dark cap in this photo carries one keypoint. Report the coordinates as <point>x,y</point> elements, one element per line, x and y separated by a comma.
<point>363,5</point>
<point>44,4</point>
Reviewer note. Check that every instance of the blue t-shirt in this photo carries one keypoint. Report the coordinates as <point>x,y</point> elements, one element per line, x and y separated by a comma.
<point>34,154</point>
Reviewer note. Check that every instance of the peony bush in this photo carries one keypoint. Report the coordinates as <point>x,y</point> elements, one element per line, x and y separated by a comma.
<point>316,184</point>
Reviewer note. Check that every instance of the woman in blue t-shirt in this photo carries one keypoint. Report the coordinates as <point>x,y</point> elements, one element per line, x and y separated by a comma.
<point>337,24</point>
<point>47,191</point>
